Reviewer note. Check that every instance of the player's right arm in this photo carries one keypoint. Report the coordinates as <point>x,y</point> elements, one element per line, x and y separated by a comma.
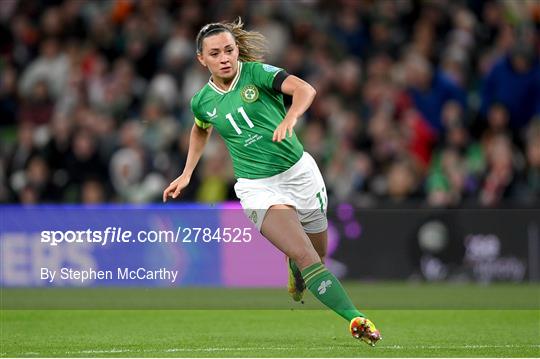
<point>197,141</point>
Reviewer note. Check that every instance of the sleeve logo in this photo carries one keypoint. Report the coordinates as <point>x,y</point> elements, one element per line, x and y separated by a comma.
<point>213,113</point>
<point>270,68</point>
<point>249,93</point>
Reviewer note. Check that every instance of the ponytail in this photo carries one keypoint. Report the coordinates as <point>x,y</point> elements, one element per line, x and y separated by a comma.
<point>252,45</point>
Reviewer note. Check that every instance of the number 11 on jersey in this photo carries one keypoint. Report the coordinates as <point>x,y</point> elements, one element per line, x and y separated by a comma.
<point>244,116</point>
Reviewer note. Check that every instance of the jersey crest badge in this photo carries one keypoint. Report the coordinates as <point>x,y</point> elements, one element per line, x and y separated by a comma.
<point>249,93</point>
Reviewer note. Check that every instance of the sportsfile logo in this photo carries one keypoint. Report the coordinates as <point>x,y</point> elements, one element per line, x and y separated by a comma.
<point>120,235</point>
<point>324,284</point>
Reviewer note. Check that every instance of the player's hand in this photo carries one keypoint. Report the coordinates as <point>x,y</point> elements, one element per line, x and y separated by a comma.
<point>285,128</point>
<point>176,186</point>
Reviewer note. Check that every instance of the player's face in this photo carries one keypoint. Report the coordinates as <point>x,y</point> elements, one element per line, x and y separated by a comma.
<point>220,55</point>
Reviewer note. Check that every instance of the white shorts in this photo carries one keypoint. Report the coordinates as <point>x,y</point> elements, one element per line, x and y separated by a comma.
<point>301,186</point>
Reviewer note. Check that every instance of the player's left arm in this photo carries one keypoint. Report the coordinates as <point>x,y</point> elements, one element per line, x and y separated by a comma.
<point>302,96</point>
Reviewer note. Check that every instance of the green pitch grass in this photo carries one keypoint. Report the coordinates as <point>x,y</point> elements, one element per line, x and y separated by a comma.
<point>510,328</point>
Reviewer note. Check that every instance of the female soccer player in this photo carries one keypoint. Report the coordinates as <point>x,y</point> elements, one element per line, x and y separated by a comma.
<point>279,185</point>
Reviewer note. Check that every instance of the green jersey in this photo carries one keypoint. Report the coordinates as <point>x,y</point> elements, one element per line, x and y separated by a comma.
<point>246,116</point>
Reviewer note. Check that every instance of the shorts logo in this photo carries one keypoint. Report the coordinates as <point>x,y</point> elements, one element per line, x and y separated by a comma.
<point>253,216</point>
<point>249,93</point>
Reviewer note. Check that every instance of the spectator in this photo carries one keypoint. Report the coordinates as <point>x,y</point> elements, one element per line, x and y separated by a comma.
<point>430,90</point>
<point>402,180</point>
<point>159,130</point>
<point>130,179</point>
<point>93,192</point>
<point>8,97</point>
<point>349,32</point>
<point>38,180</point>
<point>49,67</point>
<point>163,89</point>
<point>217,175</point>
<point>532,173</point>
<point>348,174</point>
<point>446,181</point>
<point>84,161</point>
<point>58,149</point>
<point>519,71</point>
<point>19,156</point>
<point>500,178</point>
<point>38,107</point>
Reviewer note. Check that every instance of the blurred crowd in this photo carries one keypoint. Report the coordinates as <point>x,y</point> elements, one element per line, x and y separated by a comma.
<point>430,103</point>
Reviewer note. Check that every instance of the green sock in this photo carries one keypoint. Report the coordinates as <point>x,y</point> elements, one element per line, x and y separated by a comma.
<point>327,289</point>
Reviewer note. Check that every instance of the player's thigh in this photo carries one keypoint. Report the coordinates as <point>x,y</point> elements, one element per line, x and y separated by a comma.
<point>256,197</point>
<point>320,242</point>
<point>306,187</point>
<point>283,229</point>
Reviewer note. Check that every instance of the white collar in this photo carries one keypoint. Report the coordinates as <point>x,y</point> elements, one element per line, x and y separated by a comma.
<point>233,83</point>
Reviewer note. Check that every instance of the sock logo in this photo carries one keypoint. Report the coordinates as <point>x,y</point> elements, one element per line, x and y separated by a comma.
<point>324,284</point>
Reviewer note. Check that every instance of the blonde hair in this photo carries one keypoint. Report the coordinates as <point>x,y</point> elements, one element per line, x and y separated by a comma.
<point>252,45</point>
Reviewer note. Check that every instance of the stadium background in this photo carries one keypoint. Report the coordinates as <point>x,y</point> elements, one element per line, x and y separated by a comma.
<point>426,125</point>
<point>428,139</point>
